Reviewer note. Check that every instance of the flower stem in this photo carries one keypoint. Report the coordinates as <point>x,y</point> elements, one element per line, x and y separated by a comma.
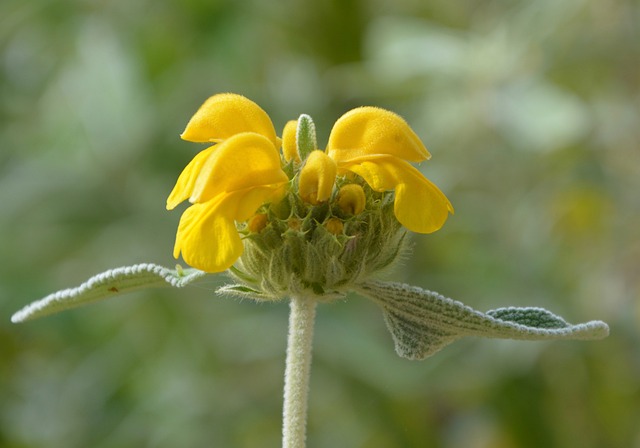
<point>297,371</point>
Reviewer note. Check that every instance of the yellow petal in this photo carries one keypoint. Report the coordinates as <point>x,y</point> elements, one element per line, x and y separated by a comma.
<point>225,115</point>
<point>187,179</point>
<point>289,141</point>
<point>207,238</point>
<point>243,161</point>
<point>419,205</point>
<point>242,205</point>
<point>317,178</point>
<point>370,130</point>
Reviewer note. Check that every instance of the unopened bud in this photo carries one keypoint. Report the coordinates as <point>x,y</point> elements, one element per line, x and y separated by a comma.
<point>294,223</point>
<point>289,141</point>
<point>334,225</point>
<point>351,199</point>
<point>317,178</point>
<point>258,222</point>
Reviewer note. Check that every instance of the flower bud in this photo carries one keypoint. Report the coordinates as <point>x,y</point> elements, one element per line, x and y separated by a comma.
<point>334,226</point>
<point>294,223</point>
<point>257,222</point>
<point>351,199</point>
<point>317,178</point>
<point>290,142</point>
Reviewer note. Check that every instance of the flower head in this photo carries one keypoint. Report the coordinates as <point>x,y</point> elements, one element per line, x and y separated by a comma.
<point>297,218</point>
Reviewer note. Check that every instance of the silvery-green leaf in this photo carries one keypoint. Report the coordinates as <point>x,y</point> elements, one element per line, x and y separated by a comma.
<point>106,285</point>
<point>422,322</point>
<point>241,292</point>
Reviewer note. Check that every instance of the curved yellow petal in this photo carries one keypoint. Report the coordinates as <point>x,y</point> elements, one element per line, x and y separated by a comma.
<point>207,238</point>
<point>317,177</point>
<point>289,141</point>
<point>225,115</point>
<point>187,179</point>
<point>371,130</point>
<point>243,204</point>
<point>419,205</point>
<point>242,161</point>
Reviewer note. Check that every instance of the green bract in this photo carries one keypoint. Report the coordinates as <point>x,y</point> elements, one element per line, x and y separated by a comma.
<point>300,252</point>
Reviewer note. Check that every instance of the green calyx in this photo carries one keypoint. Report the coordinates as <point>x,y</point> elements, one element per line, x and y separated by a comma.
<point>320,243</point>
<point>318,250</point>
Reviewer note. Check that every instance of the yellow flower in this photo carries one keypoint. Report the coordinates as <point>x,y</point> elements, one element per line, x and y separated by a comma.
<point>317,177</point>
<point>227,182</point>
<point>230,181</point>
<point>378,145</point>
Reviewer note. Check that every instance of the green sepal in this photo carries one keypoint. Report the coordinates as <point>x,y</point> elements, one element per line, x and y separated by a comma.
<point>108,284</point>
<point>306,136</point>
<point>422,322</point>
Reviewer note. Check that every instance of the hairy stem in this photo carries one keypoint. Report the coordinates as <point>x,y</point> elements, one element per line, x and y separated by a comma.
<point>297,372</point>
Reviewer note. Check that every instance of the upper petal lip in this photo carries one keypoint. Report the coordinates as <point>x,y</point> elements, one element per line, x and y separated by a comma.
<point>224,115</point>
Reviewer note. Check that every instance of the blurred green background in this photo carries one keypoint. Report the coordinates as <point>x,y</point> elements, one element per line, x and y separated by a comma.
<point>531,111</point>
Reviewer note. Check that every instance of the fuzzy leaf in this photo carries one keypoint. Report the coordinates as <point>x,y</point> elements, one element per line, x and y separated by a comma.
<point>241,292</point>
<point>422,322</point>
<point>108,284</point>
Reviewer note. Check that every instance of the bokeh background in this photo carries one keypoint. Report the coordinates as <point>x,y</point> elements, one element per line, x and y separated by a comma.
<point>532,113</point>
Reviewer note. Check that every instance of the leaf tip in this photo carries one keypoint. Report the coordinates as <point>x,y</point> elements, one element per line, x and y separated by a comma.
<point>19,317</point>
<point>598,329</point>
